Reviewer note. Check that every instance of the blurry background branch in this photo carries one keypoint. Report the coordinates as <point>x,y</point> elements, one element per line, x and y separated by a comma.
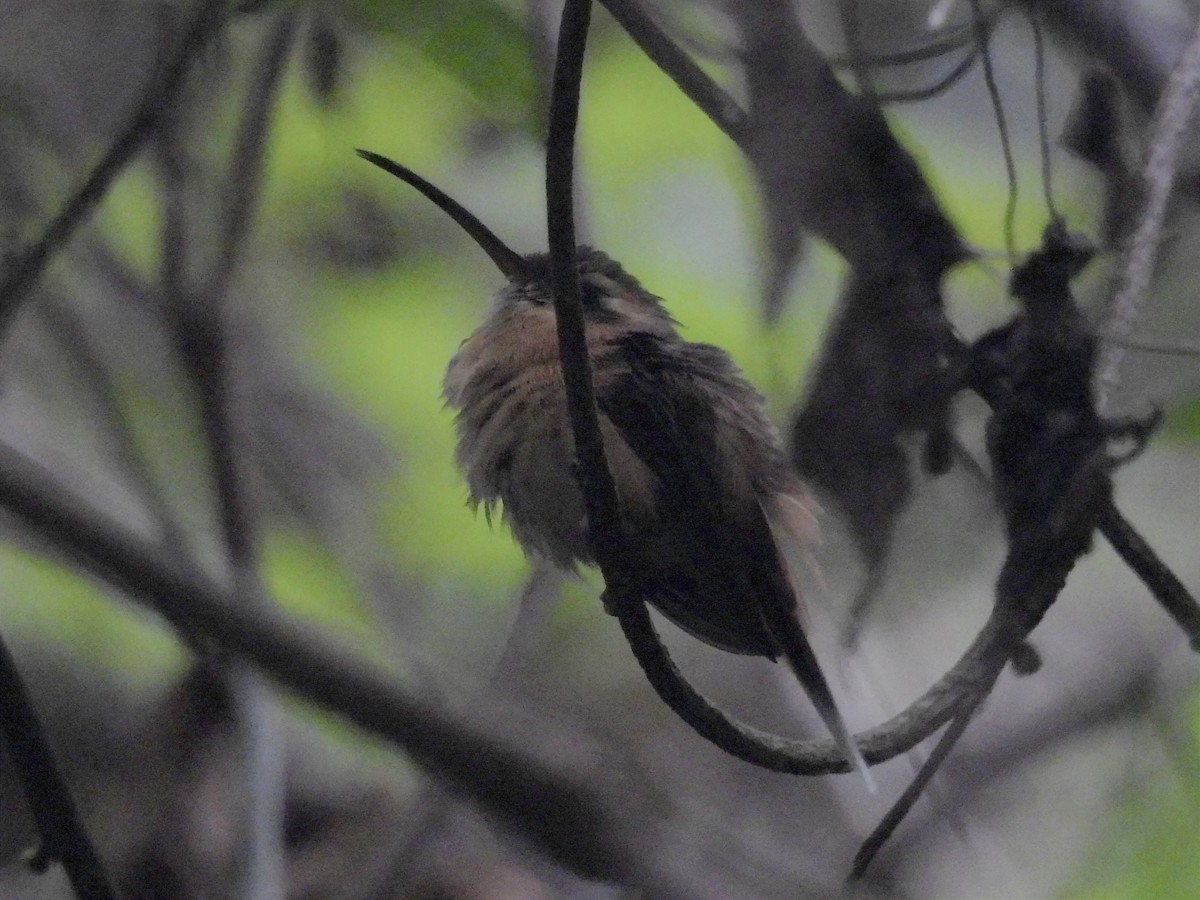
<point>23,272</point>
<point>61,832</point>
<point>565,820</point>
<point>205,332</point>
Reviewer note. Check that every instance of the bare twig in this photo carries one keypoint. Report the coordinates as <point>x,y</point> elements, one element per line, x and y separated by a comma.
<point>62,833</point>
<point>97,377</point>
<point>900,809</point>
<point>1155,345</point>
<point>713,100</point>
<point>930,91</point>
<point>242,191</point>
<point>982,39</point>
<point>203,327</point>
<point>954,38</point>
<point>1043,116</point>
<point>28,266</point>
<point>1167,589</point>
<point>1158,177</point>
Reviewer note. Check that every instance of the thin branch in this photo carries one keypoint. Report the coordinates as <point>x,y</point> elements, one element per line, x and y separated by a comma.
<point>982,39</point>
<point>954,38</point>
<point>205,348</point>
<point>82,351</point>
<point>567,821</point>
<point>904,803</point>
<point>1154,345</point>
<point>62,833</point>
<point>1167,589</point>
<point>1043,116</point>
<point>27,267</point>
<point>243,189</point>
<point>1158,177</point>
<point>897,735</point>
<point>930,91</point>
<point>710,97</point>
<point>595,478</point>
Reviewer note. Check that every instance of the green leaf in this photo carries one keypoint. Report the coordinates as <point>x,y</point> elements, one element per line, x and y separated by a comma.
<point>481,44</point>
<point>1184,420</point>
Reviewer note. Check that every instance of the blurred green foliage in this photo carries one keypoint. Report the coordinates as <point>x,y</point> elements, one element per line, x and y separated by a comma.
<point>480,44</point>
<point>663,191</point>
<point>1148,848</point>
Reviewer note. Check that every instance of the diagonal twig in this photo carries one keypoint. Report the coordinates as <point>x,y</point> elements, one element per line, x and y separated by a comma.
<point>1167,134</point>
<point>904,803</point>
<point>713,100</point>
<point>24,271</point>
<point>62,833</point>
<point>1166,587</point>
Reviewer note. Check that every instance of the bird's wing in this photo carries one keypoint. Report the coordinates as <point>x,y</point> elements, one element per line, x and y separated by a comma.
<point>652,391</point>
<point>664,397</point>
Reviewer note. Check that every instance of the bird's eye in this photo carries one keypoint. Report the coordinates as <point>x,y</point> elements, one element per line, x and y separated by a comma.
<point>531,294</point>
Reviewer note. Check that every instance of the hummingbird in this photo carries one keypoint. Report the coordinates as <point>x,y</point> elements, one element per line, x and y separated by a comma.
<point>714,514</point>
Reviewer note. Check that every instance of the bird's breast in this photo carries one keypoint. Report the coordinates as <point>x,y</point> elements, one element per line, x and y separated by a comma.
<point>516,449</point>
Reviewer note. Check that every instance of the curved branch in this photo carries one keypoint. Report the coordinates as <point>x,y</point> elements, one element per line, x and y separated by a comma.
<point>930,91</point>
<point>942,702</point>
<point>815,757</point>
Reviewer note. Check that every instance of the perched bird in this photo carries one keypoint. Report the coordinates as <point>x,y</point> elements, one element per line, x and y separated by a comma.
<point>711,506</point>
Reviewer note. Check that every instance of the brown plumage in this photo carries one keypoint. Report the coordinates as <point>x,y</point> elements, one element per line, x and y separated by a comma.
<point>707,494</point>
<point>709,459</point>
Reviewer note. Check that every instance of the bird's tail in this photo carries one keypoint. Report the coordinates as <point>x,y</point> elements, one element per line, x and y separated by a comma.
<point>781,618</point>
